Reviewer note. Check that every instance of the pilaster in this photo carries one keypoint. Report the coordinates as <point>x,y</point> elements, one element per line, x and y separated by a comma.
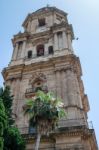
<point>58,83</point>
<point>55,42</point>
<point>23,49</point>
<point>64,87</point>
<point>14,56</point>
<point>46,49</point>
<point>34,51</point>
<point>65,42</point>
<point>69,41</point>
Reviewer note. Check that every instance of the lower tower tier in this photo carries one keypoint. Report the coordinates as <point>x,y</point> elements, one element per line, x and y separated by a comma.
<point>68,138</point>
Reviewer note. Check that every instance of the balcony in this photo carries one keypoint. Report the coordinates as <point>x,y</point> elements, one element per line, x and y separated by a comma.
<point>35,56</point>
<point>31,91</point>
<point>67,125</point>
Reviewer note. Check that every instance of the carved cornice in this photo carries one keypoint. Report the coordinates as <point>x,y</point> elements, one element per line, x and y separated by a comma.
<point>83,132</point>
<point>61,63</point>
<point>44,36</point>
<point>12,72</point>
<point>73,64</point>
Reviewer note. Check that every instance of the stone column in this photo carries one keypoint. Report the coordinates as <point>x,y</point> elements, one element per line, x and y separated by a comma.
<point>19,103</point>
<point>17,95</point>
<point>64,87</point>
<point>54,18</point>
<point>78,92</point>
<point>34,51</point>
<point>69,42</point>
<point>45,49</point>
<point>23,49</point>
<point>73,91</point>
<point>29,26</point>
<point>55,42</point>
<point>65,42</point>
<point>15,51</point>
<point>13,88</point>
<point>58,84</point>
<point>74,97</point>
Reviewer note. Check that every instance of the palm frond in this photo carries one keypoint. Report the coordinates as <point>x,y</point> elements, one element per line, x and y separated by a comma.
<point>44,110</point>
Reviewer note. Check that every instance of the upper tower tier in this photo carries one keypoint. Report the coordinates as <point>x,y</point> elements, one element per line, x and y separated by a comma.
<point>47,33</point>
<point>43,19</point>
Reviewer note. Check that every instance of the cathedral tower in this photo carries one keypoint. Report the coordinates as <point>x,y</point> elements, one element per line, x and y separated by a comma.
<point>43,58</point>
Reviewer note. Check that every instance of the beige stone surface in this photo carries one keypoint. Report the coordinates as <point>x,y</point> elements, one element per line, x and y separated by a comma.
<point>59,72</point>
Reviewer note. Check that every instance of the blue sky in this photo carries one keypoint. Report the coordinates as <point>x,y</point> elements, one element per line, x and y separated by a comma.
<point>83,15</point>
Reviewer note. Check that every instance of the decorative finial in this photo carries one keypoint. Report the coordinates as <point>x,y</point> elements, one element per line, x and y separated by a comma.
<point>47,5</point>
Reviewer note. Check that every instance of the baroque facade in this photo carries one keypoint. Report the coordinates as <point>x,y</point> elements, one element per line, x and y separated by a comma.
<point>43,58</point>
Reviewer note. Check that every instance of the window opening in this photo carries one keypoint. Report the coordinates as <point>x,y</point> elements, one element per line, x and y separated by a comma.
<point>38,89</point>
<point>20,44</point>
<point>32,130</point>
<point>41,22</point>
<point>29,54</point>
<point>40,50</point>
<point>50,50</point>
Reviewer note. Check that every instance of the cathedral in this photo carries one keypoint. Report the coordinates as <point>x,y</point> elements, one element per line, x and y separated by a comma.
<point>43,59</point>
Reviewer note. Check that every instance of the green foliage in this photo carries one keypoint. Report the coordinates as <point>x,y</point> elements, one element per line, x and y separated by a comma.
<point>3,123</point>
<point>13,139</point>
<point>7,98</point>
<point>1,143</point>
<point>3,118</point>
<point>11,135</point>
<point>45,111</point>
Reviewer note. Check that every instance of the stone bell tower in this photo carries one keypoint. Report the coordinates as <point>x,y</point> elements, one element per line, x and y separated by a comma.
<point>43,58</point>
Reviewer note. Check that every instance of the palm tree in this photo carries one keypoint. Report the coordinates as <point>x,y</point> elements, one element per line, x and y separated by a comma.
<point>44,112</point>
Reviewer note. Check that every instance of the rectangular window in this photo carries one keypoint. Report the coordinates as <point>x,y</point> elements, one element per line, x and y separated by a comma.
<point>29,54</point>
<point>40,50</point>
<point>50,50</point>
<point>20,45</point>
<point>41,22</point>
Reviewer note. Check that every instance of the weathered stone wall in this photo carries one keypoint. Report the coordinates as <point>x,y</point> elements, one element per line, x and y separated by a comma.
<point>61,71</point>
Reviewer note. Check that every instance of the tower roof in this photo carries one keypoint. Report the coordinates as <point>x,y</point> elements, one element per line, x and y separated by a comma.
<point>43,11</point>
<point>50,9</point>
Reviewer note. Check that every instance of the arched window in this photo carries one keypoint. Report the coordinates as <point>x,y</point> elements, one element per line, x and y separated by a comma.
<point>40,50</point>
<point>50,50</point>
<point>29,54</point>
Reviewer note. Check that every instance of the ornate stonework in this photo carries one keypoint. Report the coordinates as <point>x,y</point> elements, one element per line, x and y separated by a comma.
<point>43,58</point>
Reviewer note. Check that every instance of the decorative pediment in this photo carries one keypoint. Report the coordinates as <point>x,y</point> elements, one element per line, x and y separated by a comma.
<point>36,77</point>
<point>36,82</point>
<point>40,40</point>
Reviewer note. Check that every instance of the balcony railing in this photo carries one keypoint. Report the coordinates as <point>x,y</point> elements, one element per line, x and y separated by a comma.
<point>35,56</point>
<point>31,91</point>
<point>69,123</point>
